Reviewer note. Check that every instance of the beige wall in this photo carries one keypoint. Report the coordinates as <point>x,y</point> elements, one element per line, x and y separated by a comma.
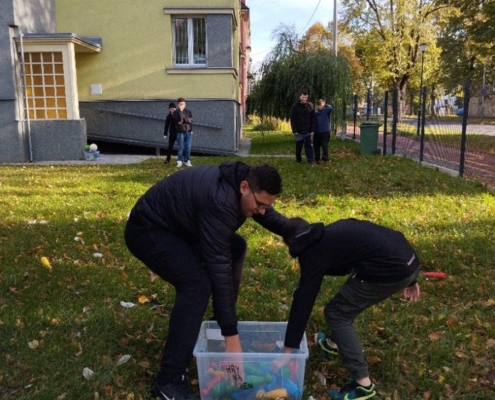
<point>137,50</point>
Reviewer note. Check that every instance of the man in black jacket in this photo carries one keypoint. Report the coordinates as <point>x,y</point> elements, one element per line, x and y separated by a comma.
<point>184,119</point>
<point>184,229</point>
<point>379,261</point>
<point>303,123</point>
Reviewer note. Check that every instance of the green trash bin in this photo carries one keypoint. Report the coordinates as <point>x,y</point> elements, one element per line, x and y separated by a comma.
<point>369,137</point>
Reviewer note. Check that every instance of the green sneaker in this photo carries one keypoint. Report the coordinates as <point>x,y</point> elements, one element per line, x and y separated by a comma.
<point>353,391</point>
<point>328,351</point>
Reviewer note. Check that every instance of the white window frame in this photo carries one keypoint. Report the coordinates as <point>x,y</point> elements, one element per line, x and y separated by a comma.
<point>190,42</point>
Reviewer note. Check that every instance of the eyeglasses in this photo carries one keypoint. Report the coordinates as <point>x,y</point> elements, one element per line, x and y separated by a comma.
<point>259,204</point>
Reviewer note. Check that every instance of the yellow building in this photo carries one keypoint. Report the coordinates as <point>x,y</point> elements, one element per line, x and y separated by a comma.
<point>107,70</point>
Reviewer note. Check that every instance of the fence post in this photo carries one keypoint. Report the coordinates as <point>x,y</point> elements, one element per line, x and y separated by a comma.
<point>423,114</point>
<point>355,115</point>
<point>395,117</point>
<point>467,95</point>
<point>368,99</point>
<point>385,117</point>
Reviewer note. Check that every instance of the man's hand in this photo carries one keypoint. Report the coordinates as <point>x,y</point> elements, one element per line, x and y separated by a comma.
<point>411,293</point>
<point>234,365</point>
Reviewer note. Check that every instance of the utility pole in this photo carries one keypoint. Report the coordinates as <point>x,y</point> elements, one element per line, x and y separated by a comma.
<point>335,6</point>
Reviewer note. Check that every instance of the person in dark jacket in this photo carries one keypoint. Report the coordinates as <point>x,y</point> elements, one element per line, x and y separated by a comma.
<point>322,132</point>
<point>302,121</point>
<point>184,229</point>
<point>184,119</point>
<point>170,127</point>
<point>379,262</point>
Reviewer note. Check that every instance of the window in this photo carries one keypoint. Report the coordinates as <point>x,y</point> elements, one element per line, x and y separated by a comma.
<point>190,41</point>
<point>45,85</point>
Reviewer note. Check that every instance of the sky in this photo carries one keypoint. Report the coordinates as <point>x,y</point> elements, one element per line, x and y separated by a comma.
<point>267,15</point>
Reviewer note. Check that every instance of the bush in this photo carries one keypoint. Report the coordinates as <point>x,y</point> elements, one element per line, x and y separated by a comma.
<point>267,123</point>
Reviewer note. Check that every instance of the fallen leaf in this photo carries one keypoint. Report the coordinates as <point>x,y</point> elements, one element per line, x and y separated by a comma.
<point>373,359</point>
<point>435,336</point>
<point>88,373</point>
<point>143,299</point>
<point>33,344</point>
<point>127,304</point>
<point>124,359</point>
<point>46,263</point>
<point>321,378</point>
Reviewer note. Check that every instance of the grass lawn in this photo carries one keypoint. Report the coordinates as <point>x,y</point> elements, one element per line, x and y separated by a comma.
<point>55,324</point>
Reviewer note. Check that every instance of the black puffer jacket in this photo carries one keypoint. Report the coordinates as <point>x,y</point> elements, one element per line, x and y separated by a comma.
<point>202,204</point>
<point>348,246</point>
<point>302,118</point>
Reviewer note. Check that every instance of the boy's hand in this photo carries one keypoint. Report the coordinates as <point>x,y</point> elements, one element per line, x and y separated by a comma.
<point>412,293</point>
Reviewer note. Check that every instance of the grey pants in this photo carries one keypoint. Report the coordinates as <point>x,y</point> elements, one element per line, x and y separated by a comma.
<point>352,299</point>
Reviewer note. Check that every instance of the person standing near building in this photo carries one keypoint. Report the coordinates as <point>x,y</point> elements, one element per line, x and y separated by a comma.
<point>184,119</point>
<point>184,229</point>
<point>170,128</point>
<point>302,121</point>
<point>322,132</point>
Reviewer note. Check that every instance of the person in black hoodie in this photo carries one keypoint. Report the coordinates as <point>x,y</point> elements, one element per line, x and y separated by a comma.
<point>170,127</point>
<point>184,229</point>
<point>303,123</point>
<point>379,261</point>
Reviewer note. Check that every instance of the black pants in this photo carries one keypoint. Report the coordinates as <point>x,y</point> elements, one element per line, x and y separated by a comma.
<point>171,140</point>
<point>177,261</point>
<point>320,140</point>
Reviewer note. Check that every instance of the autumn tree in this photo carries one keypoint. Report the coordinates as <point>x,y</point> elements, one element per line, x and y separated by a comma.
<point>467,40</point>
<point>387,36</point>
<point>295,64</point>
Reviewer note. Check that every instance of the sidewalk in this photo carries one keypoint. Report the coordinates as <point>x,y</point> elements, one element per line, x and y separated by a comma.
<point>125,158</point>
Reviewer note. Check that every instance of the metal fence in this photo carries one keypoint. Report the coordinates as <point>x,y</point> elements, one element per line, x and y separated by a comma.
<point>433,130</point>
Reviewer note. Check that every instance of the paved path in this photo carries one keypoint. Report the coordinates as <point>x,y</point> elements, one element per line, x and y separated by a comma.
<point>125,158</point>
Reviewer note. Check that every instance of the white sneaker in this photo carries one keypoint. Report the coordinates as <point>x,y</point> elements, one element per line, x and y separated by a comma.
<point>179,164</point>
<point>188,164</point>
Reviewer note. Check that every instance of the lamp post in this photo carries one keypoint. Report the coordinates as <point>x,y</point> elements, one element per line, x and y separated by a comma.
<point>422,47</point>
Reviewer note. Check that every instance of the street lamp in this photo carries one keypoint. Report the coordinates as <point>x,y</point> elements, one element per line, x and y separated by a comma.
<point>422,47</point>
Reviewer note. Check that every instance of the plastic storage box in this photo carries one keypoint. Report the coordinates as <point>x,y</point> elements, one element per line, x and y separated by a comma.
<point>262,343</point>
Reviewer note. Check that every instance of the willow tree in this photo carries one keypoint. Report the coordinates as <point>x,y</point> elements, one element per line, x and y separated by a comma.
<point>290,68</point>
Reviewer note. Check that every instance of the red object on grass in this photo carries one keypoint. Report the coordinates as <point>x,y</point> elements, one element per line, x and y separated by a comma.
<point>437,275</point>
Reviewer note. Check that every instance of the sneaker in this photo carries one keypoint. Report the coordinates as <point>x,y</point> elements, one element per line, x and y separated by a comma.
<point>171,391</point>
<point>188,164</point>
<point>353,391</point>
<point>179,164</point>
<point>328,351</point>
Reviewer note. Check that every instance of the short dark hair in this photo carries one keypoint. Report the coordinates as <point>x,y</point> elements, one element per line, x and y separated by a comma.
<point>264,177</point>
<point>181,99</point>
<point>291,227</point>
<point>303,92</point>
<point>172,105</point>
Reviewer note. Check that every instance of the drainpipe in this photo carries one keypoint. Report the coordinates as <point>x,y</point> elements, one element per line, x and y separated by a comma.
<point>26,106</point>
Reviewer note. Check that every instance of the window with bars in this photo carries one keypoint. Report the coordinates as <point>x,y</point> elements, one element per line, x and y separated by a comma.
<point>190,41</point>
<point>45,85</point>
